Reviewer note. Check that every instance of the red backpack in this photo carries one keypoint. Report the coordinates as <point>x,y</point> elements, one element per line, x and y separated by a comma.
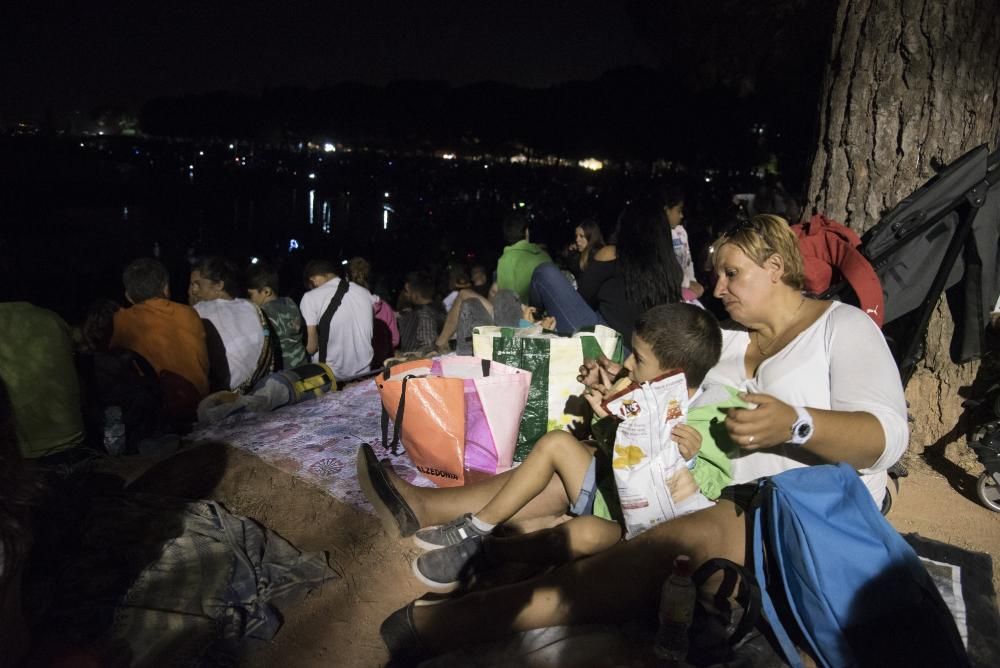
<point>830,254</point>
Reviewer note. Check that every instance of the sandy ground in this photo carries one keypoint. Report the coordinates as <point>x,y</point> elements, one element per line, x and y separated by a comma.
<point>337,625</point>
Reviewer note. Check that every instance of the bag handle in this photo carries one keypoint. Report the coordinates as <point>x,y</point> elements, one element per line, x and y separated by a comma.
<point>486,368</point>
<point>393,447</point>
<point>324,321</point>
<point>736,579</point>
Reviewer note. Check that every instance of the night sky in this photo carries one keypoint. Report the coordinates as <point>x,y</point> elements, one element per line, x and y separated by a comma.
<point>79,54</point>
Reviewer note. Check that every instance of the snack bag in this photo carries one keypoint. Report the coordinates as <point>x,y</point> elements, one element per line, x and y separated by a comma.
<point>653,480</point>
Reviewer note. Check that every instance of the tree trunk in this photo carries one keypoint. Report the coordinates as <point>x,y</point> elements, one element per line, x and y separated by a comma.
<point>910,84</point>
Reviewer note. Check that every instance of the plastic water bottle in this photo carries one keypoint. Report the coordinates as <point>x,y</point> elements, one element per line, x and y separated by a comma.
<point>114,430</point>
<point>677,601</point>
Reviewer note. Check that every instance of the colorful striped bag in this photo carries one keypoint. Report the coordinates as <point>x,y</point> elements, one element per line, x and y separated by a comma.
<point>554,401</point>
<point>453,414</point>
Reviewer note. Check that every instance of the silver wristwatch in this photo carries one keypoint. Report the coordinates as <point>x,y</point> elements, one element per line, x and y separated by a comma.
<point>802,428</point>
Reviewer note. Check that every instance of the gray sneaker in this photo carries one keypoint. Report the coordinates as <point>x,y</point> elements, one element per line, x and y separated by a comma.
<point>443,535</point>
<point>445,568</point>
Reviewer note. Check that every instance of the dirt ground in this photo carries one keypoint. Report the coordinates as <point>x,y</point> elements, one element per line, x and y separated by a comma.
<point>337,625</point>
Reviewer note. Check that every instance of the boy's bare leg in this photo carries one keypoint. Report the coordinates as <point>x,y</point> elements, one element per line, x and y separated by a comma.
<point>618,584</point>
<point>437,505</point>
<point>577,538</point>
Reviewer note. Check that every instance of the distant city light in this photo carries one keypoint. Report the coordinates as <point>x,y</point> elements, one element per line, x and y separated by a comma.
<point>100,132</point>
<point>448,156</point>
<point>81,144</point>
<point>232,146</point>
<point>386,195</point>
<point>254,260</point>
<point>344,262</point>
<point>385,219</point>
<point>190,166</point>
<point>708,179</point>
<point>593,164</point>
<point>520,205</point>
<point>329,148</point>
<point>292,244</point>
<point>201,153</point>
<point>520,158</point>
<point>312,175</point>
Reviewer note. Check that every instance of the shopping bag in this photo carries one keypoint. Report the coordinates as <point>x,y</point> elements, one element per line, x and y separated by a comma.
<point>453,414</point>
<point>653,480</point>
<point>554,362</point>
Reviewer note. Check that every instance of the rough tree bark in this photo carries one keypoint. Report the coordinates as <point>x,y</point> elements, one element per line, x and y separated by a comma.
<point>910,84</point>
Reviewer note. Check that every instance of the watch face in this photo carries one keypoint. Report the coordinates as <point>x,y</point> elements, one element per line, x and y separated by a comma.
<point>803,431</point>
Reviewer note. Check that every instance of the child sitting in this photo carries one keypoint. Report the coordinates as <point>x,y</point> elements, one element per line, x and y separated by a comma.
<point>666,338</point>
<point>262,290</point>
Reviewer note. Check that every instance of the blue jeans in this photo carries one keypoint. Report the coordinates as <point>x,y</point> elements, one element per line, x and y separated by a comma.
<point>553,294</point>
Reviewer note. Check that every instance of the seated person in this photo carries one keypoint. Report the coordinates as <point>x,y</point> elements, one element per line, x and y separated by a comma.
<point>666,338</point>
<point>170,336</point>
<point>262,289</point>
<point>480,280</point>
<point>237,333</point>
<point>348,348</point>
<point>419,325</point>
<point>458,279</point>
<point>36,363</point>
<point>823,388</point>
<point>519,258</point>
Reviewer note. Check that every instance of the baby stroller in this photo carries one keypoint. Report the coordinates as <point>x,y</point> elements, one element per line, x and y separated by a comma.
<point>951,223</point>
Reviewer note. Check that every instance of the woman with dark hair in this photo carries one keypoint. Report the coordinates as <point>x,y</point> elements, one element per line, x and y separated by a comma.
<point>589,239</point>
<point>621,281</point>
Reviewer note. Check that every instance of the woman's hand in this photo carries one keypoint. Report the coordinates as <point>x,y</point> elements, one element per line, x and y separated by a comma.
<point>767,425</point>
<point>688,440</point>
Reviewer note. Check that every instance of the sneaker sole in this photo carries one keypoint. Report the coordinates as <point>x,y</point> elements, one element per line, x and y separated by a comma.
<point>384,513</point>
<point>443,587</point>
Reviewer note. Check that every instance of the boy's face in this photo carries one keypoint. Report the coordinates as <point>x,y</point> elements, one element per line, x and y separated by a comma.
<point>642,363</point>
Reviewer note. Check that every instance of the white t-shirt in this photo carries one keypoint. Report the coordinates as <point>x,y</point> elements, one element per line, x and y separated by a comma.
<point>239,327</point>
<point>840,362</point>
<point>349,350</point>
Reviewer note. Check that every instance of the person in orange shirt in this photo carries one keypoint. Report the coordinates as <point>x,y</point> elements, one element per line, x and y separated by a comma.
<point>169,335</point>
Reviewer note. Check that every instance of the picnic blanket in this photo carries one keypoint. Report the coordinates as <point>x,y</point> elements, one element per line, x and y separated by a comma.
<point>316,441</point>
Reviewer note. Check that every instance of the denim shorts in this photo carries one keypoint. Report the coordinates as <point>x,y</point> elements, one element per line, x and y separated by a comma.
<point>584,504</point>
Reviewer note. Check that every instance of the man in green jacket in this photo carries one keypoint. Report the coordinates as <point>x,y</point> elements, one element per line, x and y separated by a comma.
<point>520,257</point>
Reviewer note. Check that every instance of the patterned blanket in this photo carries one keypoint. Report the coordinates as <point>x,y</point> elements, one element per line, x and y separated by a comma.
<point>316,440</point>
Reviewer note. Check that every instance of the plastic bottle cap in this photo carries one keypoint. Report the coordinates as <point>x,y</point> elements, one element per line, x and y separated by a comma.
<point>682,565</point>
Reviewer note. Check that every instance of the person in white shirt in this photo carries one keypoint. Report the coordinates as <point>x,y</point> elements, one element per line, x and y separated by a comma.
<point>240,351</point>
<point>349,346</point>
<point>673,207</point>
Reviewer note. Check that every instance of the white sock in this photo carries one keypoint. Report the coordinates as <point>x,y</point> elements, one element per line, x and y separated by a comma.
<point>481,526</point>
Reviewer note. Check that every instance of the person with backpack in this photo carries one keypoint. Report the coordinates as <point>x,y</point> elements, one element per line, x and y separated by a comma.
<point>822,386</point>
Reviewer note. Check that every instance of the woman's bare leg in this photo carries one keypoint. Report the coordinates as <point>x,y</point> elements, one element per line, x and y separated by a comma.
<point>618,584</point>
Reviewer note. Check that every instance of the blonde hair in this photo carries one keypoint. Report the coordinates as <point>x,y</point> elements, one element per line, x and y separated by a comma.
<point>359,271</point>
<point>760,238</point>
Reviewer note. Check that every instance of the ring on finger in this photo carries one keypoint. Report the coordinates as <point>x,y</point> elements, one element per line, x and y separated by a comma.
<point>750,440</point>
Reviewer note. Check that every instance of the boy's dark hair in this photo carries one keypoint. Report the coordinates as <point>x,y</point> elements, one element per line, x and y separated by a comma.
<point>144,279</point>
<point>514,226</point>
<point>260,276</point>
<point>318,268</point>
<point>421,284</point>
<point>684,337</point>
<point>222,270</point>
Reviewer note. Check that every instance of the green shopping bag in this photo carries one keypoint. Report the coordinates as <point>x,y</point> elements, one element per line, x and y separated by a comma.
<point>554,362</point>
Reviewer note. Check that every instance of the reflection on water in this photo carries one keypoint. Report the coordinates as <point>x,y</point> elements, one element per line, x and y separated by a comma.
<point>312,206</point>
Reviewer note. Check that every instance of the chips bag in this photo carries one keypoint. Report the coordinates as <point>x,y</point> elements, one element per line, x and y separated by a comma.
<point>653,480</point>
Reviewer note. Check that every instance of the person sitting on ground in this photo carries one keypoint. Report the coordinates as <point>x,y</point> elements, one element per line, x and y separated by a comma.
<point>262,289</point>
<point>170,336</point>
<point>673,206</point>
<point>470,310</point>
<point>458,280</point>
<point>560,472</point>
<point>36,363</point>
<point>621,281</point>
<point>348,338</point>
<point>519,258</point>
<point>240,347</point>
<point>481,283</point>
<point>385,329</point>
<point>587,241</point>
<point>420,325</point>
<point>823,387</point>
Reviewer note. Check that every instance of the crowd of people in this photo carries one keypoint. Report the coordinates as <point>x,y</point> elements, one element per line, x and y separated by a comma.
<point>815,379</point>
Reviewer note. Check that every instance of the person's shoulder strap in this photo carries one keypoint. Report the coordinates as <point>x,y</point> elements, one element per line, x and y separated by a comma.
<point>323,329</point>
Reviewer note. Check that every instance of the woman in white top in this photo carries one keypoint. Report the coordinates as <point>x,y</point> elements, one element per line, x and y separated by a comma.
<point>826,390</point>
<point>825,384</point>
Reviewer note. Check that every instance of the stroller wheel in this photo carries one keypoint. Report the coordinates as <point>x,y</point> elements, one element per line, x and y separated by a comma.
<point>988,490</point>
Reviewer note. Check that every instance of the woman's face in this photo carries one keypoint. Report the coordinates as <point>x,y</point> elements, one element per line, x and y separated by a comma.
<point>202,289</point>
<point>581,240</point>
<point>675,214</point>
<point>743,287</point>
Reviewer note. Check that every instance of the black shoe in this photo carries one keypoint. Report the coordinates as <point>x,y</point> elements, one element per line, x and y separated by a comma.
<point>396,516</point>
<point>400,637</point>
